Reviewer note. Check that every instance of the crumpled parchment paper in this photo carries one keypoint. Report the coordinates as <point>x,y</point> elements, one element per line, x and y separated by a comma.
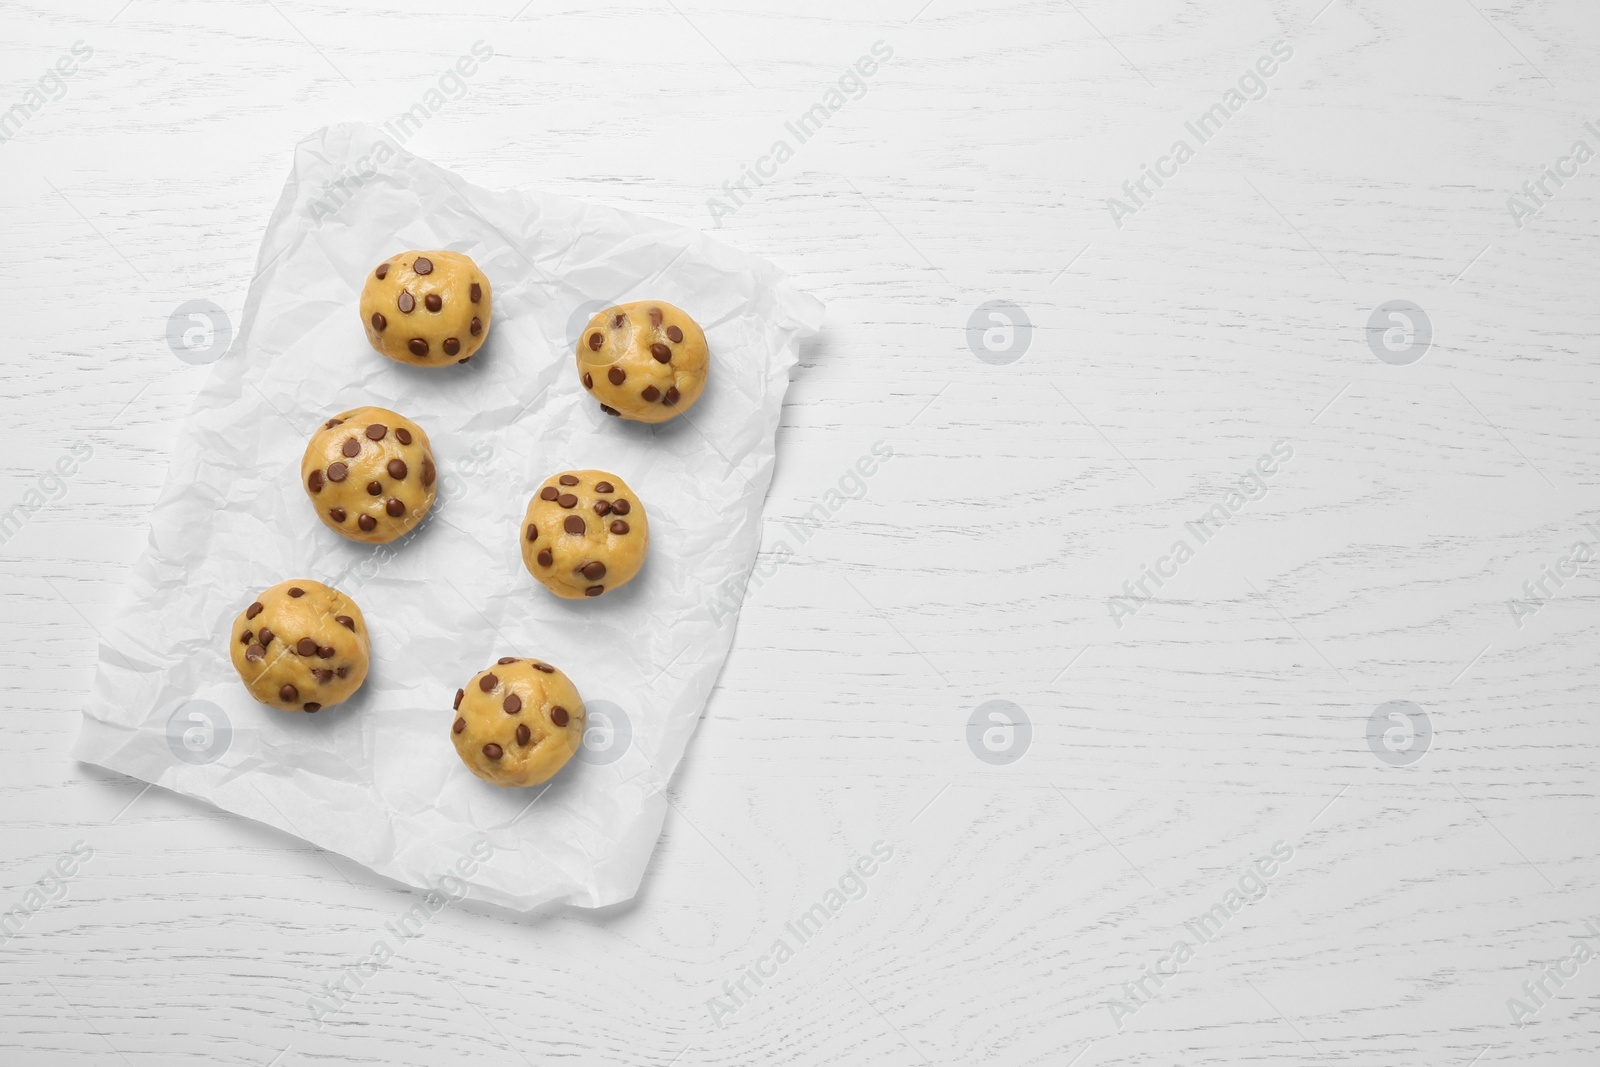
<point>376,779</point>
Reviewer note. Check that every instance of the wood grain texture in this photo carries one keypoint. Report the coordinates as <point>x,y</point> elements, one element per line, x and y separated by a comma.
<point>1167,754</point>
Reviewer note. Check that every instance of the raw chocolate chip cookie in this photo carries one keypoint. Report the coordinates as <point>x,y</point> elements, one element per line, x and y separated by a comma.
<point>585,534</point>
<point>644,361</point>
<point>426,308</point>
<point>370,474</point>
<point>518,722</point>
<point>300,646</point>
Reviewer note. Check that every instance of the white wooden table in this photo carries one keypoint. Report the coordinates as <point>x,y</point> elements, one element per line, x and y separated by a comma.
<point>1037,876</point>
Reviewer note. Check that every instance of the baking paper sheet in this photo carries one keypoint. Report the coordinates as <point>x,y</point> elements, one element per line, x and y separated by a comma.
<point>377,779</point>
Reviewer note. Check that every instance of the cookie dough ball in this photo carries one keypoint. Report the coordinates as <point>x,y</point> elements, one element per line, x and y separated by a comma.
<point>518,722</point>
<point>585,534</point>
<point>301,646</point>
<point>426,308</point>
<point>370,474</point>
<point>645,361</point>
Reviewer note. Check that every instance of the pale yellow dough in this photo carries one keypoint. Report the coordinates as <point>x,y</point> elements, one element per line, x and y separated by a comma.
<point>300,646</point>
<point>518,722</point>
<point>367,449</point>
<point>429,317</point>
<point>628,359</point>
<point>584,534</point>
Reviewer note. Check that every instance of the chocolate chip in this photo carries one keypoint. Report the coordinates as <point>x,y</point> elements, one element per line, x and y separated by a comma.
<point>331,423</point>
<point>488,682</point>
<point>621,507</point>
<point>461,724</point>
<point>594,590</point>
<point>597,340</point>
<point>313,706</point>
<point>406,302</point>
<point>346,621</point>
<point>593,571</point>
<point>322,675</point>
<point>602,507</point>
<point>567,500</point>
<point>351,447</point>
<point>342,671</point>
<point>574,524</point>
<point>395,508</point>
<point>374,488</point>
<point>619,320</point>
<point>433,302</point>
<point>376,431</point>
<point>418,346</point>
<point>544,667</point>
<point>452,345</point>
<point>655,316</point>
<point>661,352</point>
<point>512,703</point>
<point>288,692</point>
<point>507,659</point>
<point>246,638</point>
<point>397,469</point>
<point>604,487</point>
<point>423,265</point>
<point>544,557</point>
<point>306,647</point>
<point>382,272</point>
<point>253,610</point>
<point>402,435</point>
<point>264,637</point>
<point>336,514</point>
<point>588,381</point>
<point>314,483</point>
<point>533,532</point>
<point>379,323</point>
<point>337,470</point>
<point>296,591</point>
<point>476,292</point>
<point>558,715</point>
<point>255,653</point>
<point>651,394</point>
<point>325,652</point>
<point>619,527</point>
<point>428,473</point>
<point>671,397</point>
<point>457,705</point>
<point>609,410</point>
<point>569,479</point>
<point>493,751</point>
<point>523,733</point>
<point>367,523</point>
<point>616,375</point>
<point>549,492</point>
<point>674,334</point>
<point>475,328</point>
